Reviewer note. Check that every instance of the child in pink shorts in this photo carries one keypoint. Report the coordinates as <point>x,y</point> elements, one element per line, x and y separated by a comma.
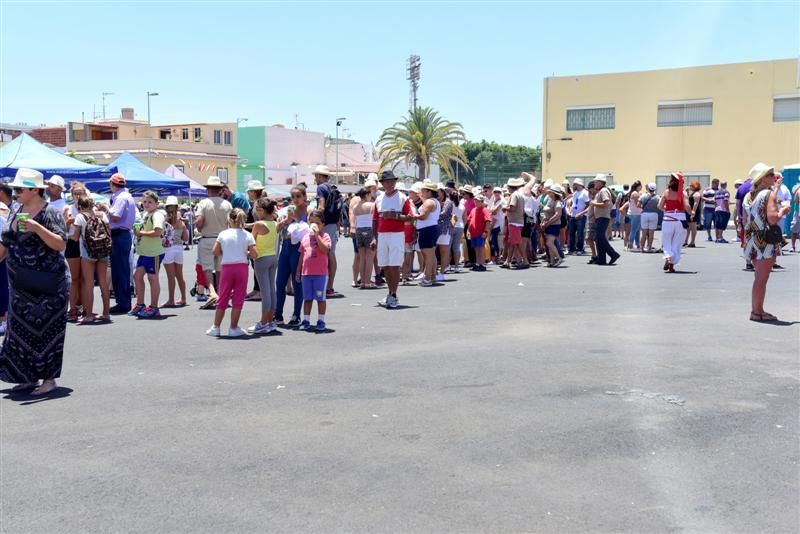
<point>312,270</point>
<point>236,246</point>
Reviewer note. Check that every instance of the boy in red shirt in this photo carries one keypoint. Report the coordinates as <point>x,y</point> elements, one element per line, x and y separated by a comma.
<point>480,224</point>
<point>312,270</point>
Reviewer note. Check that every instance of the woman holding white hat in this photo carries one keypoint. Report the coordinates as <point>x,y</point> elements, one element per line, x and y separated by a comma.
<point>763,237</point>
<point>174,236</point>
<point>38,276</point>
<point>675,205</point>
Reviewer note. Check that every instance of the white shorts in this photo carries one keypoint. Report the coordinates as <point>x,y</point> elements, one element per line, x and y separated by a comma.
<point>649,221</point>
<point>205,254</point>
<point>391,249</point>
<point>173,254</point>
<point>443,239</point>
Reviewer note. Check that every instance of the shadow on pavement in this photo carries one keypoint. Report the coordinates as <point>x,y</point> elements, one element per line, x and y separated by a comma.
<point>25,398</point>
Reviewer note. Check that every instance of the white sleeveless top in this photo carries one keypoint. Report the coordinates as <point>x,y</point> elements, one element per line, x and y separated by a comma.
<point>433,217</point>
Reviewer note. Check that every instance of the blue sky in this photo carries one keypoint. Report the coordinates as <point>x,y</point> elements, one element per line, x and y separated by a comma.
<point>482,62</point>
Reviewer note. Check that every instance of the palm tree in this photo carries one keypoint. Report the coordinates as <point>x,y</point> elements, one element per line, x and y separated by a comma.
<point>423,138</point>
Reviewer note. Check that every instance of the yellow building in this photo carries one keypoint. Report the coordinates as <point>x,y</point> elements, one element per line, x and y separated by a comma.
<point>709,122</point>
<point>198,149</point>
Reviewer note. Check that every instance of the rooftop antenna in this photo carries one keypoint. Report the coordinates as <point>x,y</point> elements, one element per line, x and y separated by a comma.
<point>104,103</point>
<point>412,68</point>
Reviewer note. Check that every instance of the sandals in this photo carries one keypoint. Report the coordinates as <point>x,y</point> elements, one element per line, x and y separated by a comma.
<point>73,316</point>
<point>356,285</point>
<point>762,317</point>
<point>368,286</point>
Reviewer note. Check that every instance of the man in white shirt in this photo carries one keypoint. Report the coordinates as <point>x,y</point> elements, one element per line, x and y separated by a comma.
<point>55,190</point>
<point>577,219</point>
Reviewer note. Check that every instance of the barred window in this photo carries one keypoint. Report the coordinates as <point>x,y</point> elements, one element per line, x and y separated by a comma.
<point>686,113</point>
<point>593,118</point>
<point>786,108</point>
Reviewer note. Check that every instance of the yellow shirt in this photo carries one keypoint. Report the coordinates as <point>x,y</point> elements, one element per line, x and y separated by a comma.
<point>151,246</point>
<point>265,243</point>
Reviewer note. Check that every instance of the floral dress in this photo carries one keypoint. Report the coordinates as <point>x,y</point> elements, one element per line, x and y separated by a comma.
<point>756,248</point>
<point>34,344</point>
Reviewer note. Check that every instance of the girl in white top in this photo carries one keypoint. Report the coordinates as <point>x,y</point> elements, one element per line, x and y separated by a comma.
<point>173,254</point>
<point>73,251</point>
<point>362,214</point>
<point>236,246</point>
<point>91,266</point>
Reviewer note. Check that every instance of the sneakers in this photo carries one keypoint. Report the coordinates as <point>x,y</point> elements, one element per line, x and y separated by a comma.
<point>305,325</point>
<point>420,276</point>
<point>709,238</point>
<point>236,332</point>
<point>260,328</point>
<point>293,322</point>
<point>320,326</point>
<point>149,313</point>
<point>440,277</point>
<point>392,302</point>
<point>425,283</point>
<point>722,240</point>
<point>384,301</point>
<point>202,298</point>
<point>213,331</point>
<point>456,269</point>
<point>136,310</point>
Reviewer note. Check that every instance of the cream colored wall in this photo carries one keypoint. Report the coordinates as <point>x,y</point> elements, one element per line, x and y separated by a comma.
<point>742,131</point>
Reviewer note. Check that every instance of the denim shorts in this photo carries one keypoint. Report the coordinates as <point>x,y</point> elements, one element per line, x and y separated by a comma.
<point>478,242</point>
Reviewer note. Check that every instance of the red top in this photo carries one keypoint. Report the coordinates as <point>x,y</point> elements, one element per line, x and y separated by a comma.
<point>477,219</point>
<point>674,205</point>
<point>397,203</point>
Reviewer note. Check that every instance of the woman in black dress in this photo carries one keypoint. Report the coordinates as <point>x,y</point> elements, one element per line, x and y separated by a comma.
<point>39,281</point>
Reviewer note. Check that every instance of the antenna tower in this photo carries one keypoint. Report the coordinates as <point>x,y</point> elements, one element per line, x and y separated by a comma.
<point>412,68</point>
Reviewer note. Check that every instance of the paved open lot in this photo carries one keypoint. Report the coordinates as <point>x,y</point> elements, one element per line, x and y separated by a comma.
<point>573,399</point>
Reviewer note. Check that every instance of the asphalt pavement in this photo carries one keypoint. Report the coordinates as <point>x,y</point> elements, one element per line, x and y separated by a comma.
<point>574,399</point>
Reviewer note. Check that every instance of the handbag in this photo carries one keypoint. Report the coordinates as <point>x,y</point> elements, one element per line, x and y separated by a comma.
<point>773,234</point>
<point>36,282</point>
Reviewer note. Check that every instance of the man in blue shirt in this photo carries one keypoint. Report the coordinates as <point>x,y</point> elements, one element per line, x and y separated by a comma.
<point>237,199</point>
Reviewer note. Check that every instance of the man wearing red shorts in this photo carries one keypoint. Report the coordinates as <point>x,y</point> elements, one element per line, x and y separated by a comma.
<point>515,212</point>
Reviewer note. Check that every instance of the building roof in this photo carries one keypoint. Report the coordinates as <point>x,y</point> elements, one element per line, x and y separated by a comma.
<point>156,152</point>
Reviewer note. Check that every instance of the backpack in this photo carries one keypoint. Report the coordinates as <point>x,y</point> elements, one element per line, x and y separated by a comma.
<point>333,205</point>
<point>97,238</point>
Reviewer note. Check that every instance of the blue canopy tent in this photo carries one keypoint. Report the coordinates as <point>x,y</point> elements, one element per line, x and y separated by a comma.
<point>139,178</point>
<point>27,152</point>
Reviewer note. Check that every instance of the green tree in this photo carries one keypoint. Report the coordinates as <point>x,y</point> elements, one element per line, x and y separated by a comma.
<point>424,137</point>
<point>495,162</point>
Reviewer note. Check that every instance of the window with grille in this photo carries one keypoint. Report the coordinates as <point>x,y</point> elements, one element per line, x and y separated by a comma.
<point>227,138</point>
<point>662,180</point>
<point>685,113</point>
<point>185,134</point>
<point>222,172</point>
<point>197,135</point>
<point>786,108</point>
<point>591,118</point>
<point>217,137</point>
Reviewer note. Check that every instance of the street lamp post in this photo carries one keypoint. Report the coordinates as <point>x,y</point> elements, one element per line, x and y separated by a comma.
<point>338,124</point>
<point>149,130</point>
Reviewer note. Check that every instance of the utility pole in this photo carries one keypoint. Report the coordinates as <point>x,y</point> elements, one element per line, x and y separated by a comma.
<point>413,68</point>
<point>149,130</point>
<point>104,103</point>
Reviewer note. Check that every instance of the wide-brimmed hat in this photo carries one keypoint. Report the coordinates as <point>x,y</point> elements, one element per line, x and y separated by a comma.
<point>416,187</point>
<point>601,178</point>
<point>677,175</point>
<point>56,180</point>
<point>28,179</point>
<point>759,171</point>
<point>213,181</point>
<point>497,190</point>
<point>322,169</point>
<point>548,183</point>
<point>440,186</point>
<point>387,175</point>
<point>480,198</point>
<point>372,176</point>
<point>254,185</point>
<point>577,181</point>
<point>557,189</point>
<point>515,182</point>
<point>466,188</point>
<point>401,187</point>
<point>371,182</point>
<point>172,200</point>
<point>117,179</point>
<point>429,185</point>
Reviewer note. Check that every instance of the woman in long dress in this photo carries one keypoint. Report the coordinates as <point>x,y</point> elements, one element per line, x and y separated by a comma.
<point>761,213</point>
<point>675,205</point>
<point>39,283</point>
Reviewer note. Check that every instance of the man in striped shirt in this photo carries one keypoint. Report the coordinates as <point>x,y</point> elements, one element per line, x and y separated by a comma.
<point>709,206</point>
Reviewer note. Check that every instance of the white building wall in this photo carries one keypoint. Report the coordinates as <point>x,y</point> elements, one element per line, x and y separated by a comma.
<point>285,146</point>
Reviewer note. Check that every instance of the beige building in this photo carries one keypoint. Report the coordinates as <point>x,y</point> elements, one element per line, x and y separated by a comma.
<point>198,149</point>
<point>709,122</point>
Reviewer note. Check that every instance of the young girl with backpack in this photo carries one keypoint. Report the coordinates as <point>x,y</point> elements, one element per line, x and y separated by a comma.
<point>236,246</point>
<point>175,233</point>
<point>90,228</point>
<point>151,254</point>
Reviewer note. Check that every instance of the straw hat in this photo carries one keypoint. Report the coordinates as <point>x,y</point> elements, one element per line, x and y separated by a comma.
<point>172,200</point>
<point>557,189</point>
<point>429,185</point>
<point>323,170</point>
<point>416,187</point>
<point>759,171</point>
<point>577,181</point>
<point>479,198</point>
<point>28,179</point>
<point>254,185</point>
<point>601,178</point>
<point>548,183</point>
<point>515,182</point>
<point>214,181</point>
<point>56,180</point>
<point>465,189</point>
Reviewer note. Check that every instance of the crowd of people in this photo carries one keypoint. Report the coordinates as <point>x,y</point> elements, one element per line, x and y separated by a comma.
<point>55,253</point>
